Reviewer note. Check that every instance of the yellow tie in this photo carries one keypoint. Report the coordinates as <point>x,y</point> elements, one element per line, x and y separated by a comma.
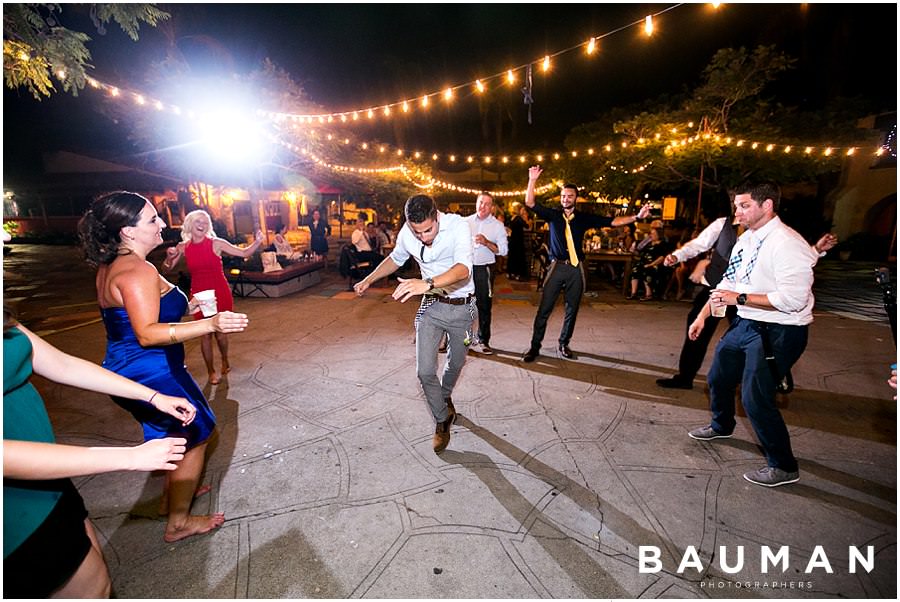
<point>570,241</point>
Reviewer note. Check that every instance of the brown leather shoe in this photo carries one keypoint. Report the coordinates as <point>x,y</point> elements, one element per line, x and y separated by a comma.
<point>441,436</point>
<point>451,411</point>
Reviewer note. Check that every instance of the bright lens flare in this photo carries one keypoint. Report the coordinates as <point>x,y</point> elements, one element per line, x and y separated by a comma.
<point>230,136</point>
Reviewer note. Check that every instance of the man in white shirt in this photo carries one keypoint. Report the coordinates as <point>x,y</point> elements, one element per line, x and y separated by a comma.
<point>769,277</point>
<point>363,243</point>
<point>718,238</point>
<point>441,243</point>
<point>489,240</point>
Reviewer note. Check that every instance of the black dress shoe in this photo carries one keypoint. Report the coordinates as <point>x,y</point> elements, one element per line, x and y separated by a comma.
<point>674,383</point>
<point>565,352</point>
<point>531,355</point>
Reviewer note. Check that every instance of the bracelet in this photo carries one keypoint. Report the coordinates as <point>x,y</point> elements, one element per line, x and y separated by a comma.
<point>172,333</point>
<point>152,397</point>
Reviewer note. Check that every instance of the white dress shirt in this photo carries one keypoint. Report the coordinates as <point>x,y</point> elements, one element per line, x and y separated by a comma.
<point>452,245</point>
<point>492,230</point>
<point>783,272</point>
<point>360,240</point>
<point>705,241</point>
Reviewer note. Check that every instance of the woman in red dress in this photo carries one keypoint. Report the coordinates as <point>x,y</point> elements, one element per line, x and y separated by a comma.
<point>202,250</point>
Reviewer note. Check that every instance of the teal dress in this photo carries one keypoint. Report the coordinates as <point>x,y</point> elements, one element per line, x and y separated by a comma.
<point>26,504</point>
<point>161,368</point>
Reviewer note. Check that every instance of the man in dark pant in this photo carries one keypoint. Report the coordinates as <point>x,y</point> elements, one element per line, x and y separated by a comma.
<point>488,242</point>
<point>566,273</point>
<point>718,238</point>
<point>769,277</point>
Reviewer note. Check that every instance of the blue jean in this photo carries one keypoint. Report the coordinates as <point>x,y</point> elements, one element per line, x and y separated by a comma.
<point>438,319</point>
<point>740,359</point>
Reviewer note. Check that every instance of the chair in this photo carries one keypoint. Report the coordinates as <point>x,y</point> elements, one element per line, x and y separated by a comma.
<point>351,267</point>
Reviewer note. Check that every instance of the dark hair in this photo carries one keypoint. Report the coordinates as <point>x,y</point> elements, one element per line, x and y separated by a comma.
<point>419,208</point>
<point>487,194</point>
<point>571,186</point>
<point>99,229</point>
<point>9,318</point>
<point>759,192</point>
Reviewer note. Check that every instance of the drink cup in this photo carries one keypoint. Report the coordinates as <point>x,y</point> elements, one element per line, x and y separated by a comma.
<point>716,311</point>
<point>207,301</point>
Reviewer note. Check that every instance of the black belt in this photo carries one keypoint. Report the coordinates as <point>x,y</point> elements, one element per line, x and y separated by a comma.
<point>455,300</point>
<point>567,262</point>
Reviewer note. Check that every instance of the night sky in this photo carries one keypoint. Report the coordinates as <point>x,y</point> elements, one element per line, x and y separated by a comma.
<point>350,56</point>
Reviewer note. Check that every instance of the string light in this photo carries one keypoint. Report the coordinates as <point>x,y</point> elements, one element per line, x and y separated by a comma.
<point>510,74</point>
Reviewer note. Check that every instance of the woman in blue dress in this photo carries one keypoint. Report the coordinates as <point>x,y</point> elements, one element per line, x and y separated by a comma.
<point>142,313</point>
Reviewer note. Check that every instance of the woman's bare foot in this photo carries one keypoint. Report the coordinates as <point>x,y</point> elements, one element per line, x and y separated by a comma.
<point>213,378</point>
<point>164,500</point>
<point>194,525</point>
<point>226,367</point>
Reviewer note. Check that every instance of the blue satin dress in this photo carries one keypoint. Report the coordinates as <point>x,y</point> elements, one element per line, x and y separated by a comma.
<point>161,368</point>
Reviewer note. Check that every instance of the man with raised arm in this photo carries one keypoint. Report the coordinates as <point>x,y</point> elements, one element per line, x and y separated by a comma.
<point>566,272</point>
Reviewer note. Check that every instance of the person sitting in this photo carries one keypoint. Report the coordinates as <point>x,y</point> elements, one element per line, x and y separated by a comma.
<point>647,267</point>
<point>363,244</point>
<point>283,247</point>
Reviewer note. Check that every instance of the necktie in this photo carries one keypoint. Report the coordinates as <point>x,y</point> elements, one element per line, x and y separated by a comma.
<point>570,241</point>
<point>733,264</point>
<point>746,277</point>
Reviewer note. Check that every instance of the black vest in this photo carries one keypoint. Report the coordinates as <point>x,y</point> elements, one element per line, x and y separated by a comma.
<point>721,252</point>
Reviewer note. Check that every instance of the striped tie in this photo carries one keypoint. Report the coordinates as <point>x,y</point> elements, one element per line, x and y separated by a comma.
<point>733,265</point>
<point>750,264</point>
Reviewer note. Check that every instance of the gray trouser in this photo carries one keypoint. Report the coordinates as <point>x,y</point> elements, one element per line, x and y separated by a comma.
<point>438,319</point>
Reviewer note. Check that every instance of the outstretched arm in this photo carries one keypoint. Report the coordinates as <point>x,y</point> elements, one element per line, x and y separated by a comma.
<point>220,245</point>
<point>53,364</point>
<point>173,256</point>
<point>32,460</point>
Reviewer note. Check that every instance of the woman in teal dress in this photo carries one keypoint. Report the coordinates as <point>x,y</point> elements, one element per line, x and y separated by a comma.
<point>142,313</point>
<point>49,545</point>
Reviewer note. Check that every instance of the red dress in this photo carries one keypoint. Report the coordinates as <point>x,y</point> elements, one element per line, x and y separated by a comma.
<point>207,273</point>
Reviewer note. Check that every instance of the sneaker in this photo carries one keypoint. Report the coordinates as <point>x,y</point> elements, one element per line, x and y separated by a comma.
<point>769,476</point>
<point>676,382</point>
<point>706,433</point>
<point>486,349</point>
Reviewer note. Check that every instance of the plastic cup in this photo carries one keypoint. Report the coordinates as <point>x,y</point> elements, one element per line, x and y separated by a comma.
<point>716,311</point>
<point>207,301</point>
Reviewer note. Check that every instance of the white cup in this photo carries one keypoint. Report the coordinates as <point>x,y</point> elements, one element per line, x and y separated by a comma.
<point>717,311</point>
<point>207,301</point>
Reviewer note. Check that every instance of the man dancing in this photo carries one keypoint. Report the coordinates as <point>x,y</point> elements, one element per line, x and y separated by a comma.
<point>566,273</point>
<point>441,243</point>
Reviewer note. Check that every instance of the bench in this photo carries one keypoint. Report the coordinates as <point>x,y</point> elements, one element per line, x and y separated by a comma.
<point>295,277</point>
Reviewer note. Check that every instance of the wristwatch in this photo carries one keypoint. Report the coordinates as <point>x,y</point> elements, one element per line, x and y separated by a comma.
<point>742,299</point>
<point>430,282</point>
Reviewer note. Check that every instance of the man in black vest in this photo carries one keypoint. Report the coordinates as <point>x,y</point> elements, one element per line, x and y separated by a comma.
<point>719,237</point>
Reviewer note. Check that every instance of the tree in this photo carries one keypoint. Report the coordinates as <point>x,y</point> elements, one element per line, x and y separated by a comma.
<point>37,49</point>
<point>665,146</point>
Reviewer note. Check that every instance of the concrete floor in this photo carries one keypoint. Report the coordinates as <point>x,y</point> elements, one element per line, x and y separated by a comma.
<point>557,473</point>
